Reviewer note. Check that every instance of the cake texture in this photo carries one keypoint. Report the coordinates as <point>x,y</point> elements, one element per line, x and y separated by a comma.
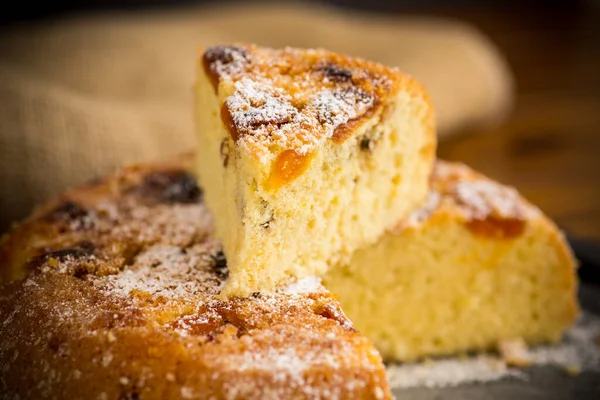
<point>306,155</point>
<point>111,292</point>
<point>476,266</point>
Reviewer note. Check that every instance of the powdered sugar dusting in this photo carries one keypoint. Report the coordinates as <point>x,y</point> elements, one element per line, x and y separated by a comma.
<point>310,284</point>
<point>335,107</point>
<point>484,198</point>
<point>580,348</point>
<point>477,196</point>
<point>165,223</point>
<point>255,106</point>
<point>295,99</point>
<point>450,372</point>
<point>283,362</point>
<point>458,187</point>
<point>289,364</point>
<point>141,284</point>
<point>268,117</point>
<point>167,271</point>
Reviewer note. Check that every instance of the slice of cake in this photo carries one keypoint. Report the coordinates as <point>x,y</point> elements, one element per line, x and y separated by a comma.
<point>118,299</point>
<point>476,266</point>
<point>305,156</point>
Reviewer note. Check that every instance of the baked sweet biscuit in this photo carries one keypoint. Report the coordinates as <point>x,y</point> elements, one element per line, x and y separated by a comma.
<point>116,297</point>
<point>305,156</point>
<point>477,265</point>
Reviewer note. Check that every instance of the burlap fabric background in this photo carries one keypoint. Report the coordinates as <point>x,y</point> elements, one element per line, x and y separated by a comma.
<point>82,96</point>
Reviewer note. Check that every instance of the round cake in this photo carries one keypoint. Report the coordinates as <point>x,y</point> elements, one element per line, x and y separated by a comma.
<point>111,292</point>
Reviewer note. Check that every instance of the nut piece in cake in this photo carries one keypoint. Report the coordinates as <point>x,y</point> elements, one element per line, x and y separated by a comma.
<point>476,266</point>
<point>305,156</point>
<point>118,299</point>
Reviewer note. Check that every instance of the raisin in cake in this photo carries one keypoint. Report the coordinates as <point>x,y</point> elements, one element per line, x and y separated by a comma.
<point>476,266</point>
<point>305,156</point>
<point>114,295</point>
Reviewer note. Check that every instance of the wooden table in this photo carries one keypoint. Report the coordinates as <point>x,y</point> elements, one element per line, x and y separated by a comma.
<point>550,147</point>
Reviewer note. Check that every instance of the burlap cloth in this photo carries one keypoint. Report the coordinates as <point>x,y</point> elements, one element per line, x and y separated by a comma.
<point>80,97</point>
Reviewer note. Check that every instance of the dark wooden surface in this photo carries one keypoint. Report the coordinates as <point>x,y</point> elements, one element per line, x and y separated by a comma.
<point>550,147</point>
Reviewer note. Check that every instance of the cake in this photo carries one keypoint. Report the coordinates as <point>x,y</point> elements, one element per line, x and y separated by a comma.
<point>476,266</point>
<point>111,292</point>
<point>305,156</point>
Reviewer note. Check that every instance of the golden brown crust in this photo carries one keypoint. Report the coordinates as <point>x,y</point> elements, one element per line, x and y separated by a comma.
<point>293,99</point>
<point>486,207</point>
<point>120,301</point>
<point>89,214</point>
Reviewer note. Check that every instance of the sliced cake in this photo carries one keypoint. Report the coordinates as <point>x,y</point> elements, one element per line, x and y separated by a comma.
<point>306,155</point>
<point>116,297</point>
<point>477,265</point>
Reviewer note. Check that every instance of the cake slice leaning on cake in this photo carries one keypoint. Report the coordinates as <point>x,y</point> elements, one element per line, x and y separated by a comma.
<point>115,296</point>
<point>477,265</point>
<point>305,156</point>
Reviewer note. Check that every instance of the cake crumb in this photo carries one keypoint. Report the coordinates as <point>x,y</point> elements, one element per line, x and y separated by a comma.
<point>515,353</point>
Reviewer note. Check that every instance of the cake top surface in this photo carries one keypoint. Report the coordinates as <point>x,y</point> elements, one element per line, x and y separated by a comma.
<point>294,99</point>
<point>129,266</point>
<point>456,188</point>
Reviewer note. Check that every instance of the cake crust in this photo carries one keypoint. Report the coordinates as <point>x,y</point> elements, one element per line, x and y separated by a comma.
<point>113,294</point>
<point>293,99</point>
<point>486,207</point>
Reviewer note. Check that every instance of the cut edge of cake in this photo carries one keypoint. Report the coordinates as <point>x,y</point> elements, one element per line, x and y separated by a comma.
<point>477,265</point>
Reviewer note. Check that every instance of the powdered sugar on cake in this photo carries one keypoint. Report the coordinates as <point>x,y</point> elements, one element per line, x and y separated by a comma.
<point>484,198</point>
<point>310,284</point>
<point>269,119</point>
<point>475,195</point>
<point>294,99</point>
<point>167,271</point>
<point>141,283</point>
<point>478,196</point>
